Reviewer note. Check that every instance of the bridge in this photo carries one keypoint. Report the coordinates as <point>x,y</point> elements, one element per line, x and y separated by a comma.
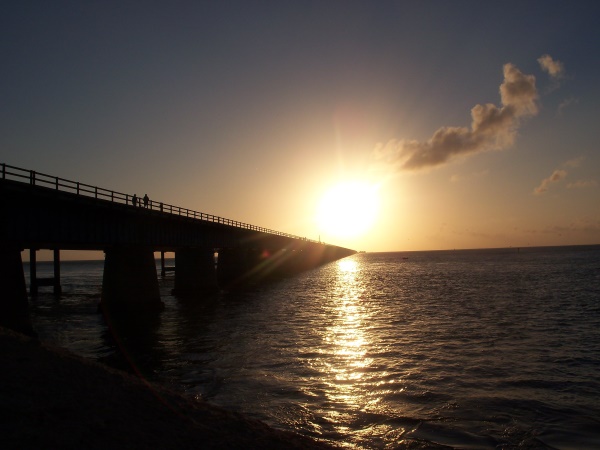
<point>39,211</point>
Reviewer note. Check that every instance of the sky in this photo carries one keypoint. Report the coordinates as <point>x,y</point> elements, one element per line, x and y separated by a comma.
<point>458,124</point>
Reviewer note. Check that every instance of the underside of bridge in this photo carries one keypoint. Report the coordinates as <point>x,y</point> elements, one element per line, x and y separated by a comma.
<point>130,282</point>
<point>195,272</point>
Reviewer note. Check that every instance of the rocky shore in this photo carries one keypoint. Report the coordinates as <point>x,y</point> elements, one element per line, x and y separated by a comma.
<point>50,398</point>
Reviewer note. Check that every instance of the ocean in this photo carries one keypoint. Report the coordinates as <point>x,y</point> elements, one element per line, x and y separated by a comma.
<point>473,349</point>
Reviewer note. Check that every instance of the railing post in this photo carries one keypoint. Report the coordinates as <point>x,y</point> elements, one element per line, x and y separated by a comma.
<point>78,188</point>
<point>95,192</point>
<point>33,281</point>
<point>32,177</point>
<point>3,171</point>
<point>56,181</point>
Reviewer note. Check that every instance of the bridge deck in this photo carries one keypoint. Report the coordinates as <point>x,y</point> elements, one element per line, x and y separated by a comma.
<point>82,190</point>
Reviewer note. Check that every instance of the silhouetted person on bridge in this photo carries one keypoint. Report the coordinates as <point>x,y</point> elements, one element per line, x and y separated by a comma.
<point>146,200</point>
<point>134,200</point>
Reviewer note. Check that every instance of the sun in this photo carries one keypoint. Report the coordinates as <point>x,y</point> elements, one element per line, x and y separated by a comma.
<point>348,209</point>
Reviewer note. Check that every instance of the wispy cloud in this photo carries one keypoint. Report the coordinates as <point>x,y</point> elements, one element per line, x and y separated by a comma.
<point>560,174</point>
<point>579,225</point>
<point>556,176</point>
<point>457,178</point>
<point>582,184</point>
<point>492,128</point>
<point>565,104</point>
<point>573,163</point>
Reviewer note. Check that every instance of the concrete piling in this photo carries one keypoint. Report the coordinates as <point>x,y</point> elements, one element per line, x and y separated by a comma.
<point>14,311</point>
<point>129,282</point>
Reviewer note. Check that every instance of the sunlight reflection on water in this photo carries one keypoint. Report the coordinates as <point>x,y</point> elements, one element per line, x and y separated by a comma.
<point>347,341</point>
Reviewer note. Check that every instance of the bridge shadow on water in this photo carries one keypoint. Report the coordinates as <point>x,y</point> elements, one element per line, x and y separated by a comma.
<point>142,343</point>
<point>133,343</point>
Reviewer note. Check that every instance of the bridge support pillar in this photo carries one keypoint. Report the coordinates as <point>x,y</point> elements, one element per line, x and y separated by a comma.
<point>35,282</point>
<point>56,286</point>
<point>129,282</point>
<point>163,268</point>
<point>195,271</point>
<point>14,311</point>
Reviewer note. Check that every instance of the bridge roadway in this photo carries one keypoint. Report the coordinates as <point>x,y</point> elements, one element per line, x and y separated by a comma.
<point>38,211</point>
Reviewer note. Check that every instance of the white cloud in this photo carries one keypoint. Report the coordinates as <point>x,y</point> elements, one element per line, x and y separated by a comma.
<point>555,69</point>
<point>492,128</point>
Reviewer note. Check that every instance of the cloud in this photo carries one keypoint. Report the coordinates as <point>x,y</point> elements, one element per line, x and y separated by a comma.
<point>582,184</point>
<point>492,128</point>
<point>560,174</point>
<point>554,68</point>
<point>556,176</point>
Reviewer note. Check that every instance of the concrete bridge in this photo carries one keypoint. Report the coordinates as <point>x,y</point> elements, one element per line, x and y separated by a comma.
<point>39,211</point>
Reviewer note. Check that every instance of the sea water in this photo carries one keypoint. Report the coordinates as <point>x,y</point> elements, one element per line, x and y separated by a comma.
<point>466,349</point>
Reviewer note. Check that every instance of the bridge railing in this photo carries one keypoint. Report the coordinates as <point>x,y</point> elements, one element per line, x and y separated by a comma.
<point>74,187</point>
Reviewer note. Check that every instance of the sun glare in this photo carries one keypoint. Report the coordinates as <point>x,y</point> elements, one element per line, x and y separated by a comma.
<point>348,209</point>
